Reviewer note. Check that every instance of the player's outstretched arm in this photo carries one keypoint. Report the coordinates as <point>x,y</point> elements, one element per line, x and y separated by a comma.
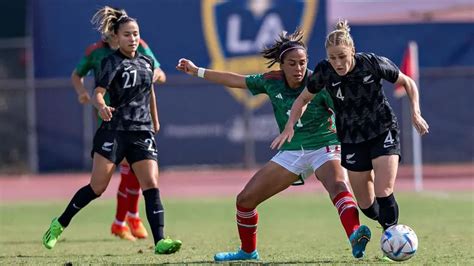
<point>412,91</point>
<point>228,79</point>
<point>297,110</point>
<point>105,112</point>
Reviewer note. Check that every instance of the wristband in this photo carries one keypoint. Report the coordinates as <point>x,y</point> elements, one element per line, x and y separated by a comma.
<point>201,72</point>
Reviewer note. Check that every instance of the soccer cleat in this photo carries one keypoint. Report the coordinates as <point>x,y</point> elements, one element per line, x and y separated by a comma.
<point>122,231</point>
<point>167,246</point>
<point>385,258</point>
<point>239,255</point>
<point>136,227</point>
<point>52,234</point>
<point>359,239</point>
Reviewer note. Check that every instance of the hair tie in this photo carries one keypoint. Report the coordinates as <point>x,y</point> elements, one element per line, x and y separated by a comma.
<point>290,48</point>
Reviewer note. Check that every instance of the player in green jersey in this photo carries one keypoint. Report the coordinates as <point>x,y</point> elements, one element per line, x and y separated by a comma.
<point>129,188</point>
<point>314,149</point>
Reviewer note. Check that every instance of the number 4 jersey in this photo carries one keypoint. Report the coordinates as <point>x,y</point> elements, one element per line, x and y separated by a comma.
<point>315,129</point>
<point>128,82</point>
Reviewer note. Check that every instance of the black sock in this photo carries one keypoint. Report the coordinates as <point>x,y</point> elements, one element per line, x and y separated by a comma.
<point>388,214</point>
<point>82,197</point>
<point>372,212</point>
<point>154,212</point>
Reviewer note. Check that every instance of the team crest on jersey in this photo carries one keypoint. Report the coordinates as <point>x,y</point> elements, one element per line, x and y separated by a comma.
<point>237,31</point>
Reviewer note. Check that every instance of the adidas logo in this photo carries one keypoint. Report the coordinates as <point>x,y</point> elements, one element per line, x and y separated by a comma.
<point>279,96</point>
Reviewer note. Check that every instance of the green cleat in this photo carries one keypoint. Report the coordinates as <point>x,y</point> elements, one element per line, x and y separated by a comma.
<point>385,258</point>
<point>52,234</point>
<point>167,246</point>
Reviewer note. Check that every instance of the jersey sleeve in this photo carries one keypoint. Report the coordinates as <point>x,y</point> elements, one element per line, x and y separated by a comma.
<point>107,73</point>
<point>84,66</point>
<point>385,68</point>
<point>316,80</point>
<point>145,49</point>
<point>255,84</point>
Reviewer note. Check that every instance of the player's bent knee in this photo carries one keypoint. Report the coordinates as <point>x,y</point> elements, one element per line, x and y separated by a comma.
<point>245,200</point>
<point>148,183</point>
<point>98,190</point>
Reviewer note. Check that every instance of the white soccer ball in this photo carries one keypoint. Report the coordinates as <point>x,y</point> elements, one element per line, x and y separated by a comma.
<point>399,242</point>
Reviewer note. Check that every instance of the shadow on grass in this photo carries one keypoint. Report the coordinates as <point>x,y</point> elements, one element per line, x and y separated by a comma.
<point>60,241</point>
<point>251,262</point>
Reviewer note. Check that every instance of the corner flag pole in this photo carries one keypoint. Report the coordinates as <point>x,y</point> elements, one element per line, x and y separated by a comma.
<point>416,138</point>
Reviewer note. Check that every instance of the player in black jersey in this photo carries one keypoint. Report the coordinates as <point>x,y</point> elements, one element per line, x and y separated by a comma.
<point>127,132</point>
<point>366,125</point>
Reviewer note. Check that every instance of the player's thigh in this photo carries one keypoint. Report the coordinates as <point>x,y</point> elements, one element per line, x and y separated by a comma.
<point>332,176</point>
<point>385,169</point>
<point>141,154</point>
<point>268,181</point>
<point>362,184</point>
<point>102,170</point>
<point>147,173</point>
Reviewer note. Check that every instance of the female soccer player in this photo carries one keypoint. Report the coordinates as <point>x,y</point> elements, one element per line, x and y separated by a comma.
<point>366,125</point>
<point>315,148</point>
<point>126,132</point>
<point>129,189</point>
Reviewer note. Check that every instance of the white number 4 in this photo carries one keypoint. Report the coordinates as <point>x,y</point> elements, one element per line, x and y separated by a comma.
<point>339,94</point>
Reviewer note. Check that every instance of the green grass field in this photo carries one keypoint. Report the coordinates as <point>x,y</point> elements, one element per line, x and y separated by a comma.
<point>292,229</point>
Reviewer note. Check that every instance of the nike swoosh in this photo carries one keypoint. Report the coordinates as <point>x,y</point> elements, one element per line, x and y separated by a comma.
<point>75,206</point>
<point>387,224</point>
<point>155,212</point>
<point>127,68</point>
<point>390,145</point>
<point>335,84</point>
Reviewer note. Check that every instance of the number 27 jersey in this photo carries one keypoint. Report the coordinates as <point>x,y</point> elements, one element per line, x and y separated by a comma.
<point>128,82</point>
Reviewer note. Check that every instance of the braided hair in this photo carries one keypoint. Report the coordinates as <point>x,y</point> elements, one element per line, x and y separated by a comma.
<point>340,35</point>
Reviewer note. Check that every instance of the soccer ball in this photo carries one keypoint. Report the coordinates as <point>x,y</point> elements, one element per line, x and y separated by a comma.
<point>399,242</point>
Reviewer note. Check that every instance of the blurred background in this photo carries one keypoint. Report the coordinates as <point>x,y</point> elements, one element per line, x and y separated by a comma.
<point>44,129</point>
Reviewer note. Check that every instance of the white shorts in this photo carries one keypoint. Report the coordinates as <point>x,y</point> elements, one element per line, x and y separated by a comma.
<point>305,162</point>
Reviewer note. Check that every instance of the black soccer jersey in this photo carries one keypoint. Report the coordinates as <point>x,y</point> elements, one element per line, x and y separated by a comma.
<point>362,109</point>
<point>128,82</point>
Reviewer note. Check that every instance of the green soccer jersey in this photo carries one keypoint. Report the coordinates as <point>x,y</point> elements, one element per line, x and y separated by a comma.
<point>100,50</point>
<point>316,127</point>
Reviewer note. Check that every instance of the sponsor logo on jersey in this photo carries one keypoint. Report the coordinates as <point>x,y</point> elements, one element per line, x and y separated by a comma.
<point>236,32</point>
<point>279,96</point>
<point>334,84</point>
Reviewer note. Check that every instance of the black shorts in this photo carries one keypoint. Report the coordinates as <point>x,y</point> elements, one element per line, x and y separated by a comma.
<point>358,157</point>
<point>133,145</point>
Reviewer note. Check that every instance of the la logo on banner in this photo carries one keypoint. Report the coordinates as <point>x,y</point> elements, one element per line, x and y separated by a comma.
<point>237,31</point>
